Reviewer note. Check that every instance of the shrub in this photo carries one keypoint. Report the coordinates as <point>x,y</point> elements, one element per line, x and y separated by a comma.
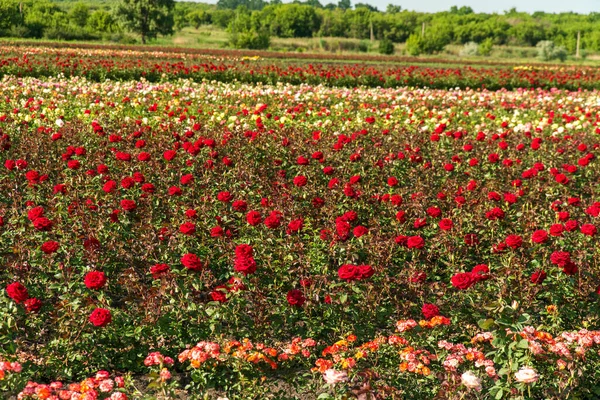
<point>386,46</point>
<point>470,49</point>
<point>485,47</point>
<point>250,40</point>
<point>548,51</point>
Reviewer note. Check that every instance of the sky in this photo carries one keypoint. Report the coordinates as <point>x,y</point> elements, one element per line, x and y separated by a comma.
<point>499,6</point>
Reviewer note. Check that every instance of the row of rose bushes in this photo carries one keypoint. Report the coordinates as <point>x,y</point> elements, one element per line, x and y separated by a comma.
<point>138,217</point>
<point>502,364</point>
<point>100,64</point>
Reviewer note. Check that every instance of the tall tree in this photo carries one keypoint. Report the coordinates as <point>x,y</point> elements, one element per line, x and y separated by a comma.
<point>147,17</point>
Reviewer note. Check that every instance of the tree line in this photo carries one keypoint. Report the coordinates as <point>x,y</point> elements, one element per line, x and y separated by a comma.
<point>251,23</point>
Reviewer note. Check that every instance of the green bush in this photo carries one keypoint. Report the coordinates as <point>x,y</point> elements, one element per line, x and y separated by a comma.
<point>386,46</point>
<point>485,47</point>
<point>548,51</point>
<point>250,40</point>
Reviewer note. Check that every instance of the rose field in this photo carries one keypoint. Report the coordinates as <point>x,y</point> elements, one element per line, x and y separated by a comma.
<point>165,236</point>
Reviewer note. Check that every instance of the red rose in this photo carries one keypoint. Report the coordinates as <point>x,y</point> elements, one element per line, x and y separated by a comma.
<point>219,294</point>
<point>42,224</point>
<point>556,230</point>
<point>175,191</point>
<point>415,242</point>
<point>187,228</point>
<point>296,298</point>
<point>295,226</point>
<point>244,261</point>
<point>217,231</point>
<point>273,221</point>
<point>430,310</point>
<point>480,272</point>
<point>538,277</point>
<point>239,205</point>
<point>588,229</point>
<point>348,272</point>
<point>365,272</point>
<point>169,155</point>
<point>49,247</point>
<point>32,304</point>
<point>560,258</point>
<point>253,218</point>
<point>186,179</point>
<point>300,181</point>
<point>100,317</point>
<point>514,241</point>
<point>128,205</point>
<point>463,280</point>
<point>392,181</point>
<point>570,268</point>
<point>94,280</point>
<point>360,231</point>
<point>539,236</point>
<point>471,239</point>
<point>191,262</point>
<point>159,270</point>
<point>446,224</point>
<point>494,214</point>
<point>17,292</point>
<point>225,197</point>
<point>35,213</point>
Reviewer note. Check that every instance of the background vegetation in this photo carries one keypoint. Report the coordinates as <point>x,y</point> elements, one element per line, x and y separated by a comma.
<point>359,27</point>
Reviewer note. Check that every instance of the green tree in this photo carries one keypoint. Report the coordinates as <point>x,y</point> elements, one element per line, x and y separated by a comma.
<point>102,21</point>
<point>79,14</point>
<point>197,18</point>
<point>345,4</point>
<point>148,18</point>
<point>9,15</point>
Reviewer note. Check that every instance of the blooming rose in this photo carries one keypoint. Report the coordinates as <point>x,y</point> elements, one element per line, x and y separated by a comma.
<point>539,236</point>
<point>49,247</point>
<point>100,317</point>
<point>159,270</point>
<point>244,261</point>
<point>42,224</point>
<point>526,375</point>
<point>514,241</point>
<point>300,181</point>
<point>32,304</point>
<point>415,242</point>
<point>463,280</point>
<point>187,228</point>
<point>253,218</point>
<point>128,205</point>
<point>191,262</point>
<point>446,224</point>
<point>94,279</point>
<point>471,381</point>
<point>295,298</point>
<point>332,376</point>
<point>430,310</point>
<point>17,292</point>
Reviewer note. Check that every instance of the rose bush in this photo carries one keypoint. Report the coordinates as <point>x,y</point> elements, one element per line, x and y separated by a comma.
<point>240,217</point>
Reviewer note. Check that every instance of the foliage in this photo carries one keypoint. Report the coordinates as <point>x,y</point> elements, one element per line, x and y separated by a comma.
<point>386,46</point>
<point>148,18</point>
<point>548,51</point>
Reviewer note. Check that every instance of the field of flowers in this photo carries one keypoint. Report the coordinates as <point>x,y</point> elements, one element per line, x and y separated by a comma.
<point>99,63</point>
<point>252,241</point>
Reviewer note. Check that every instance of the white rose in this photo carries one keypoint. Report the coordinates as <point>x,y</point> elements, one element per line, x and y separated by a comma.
<point>526,375</point>
<point>332,376</point>
<point>470,380</point>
